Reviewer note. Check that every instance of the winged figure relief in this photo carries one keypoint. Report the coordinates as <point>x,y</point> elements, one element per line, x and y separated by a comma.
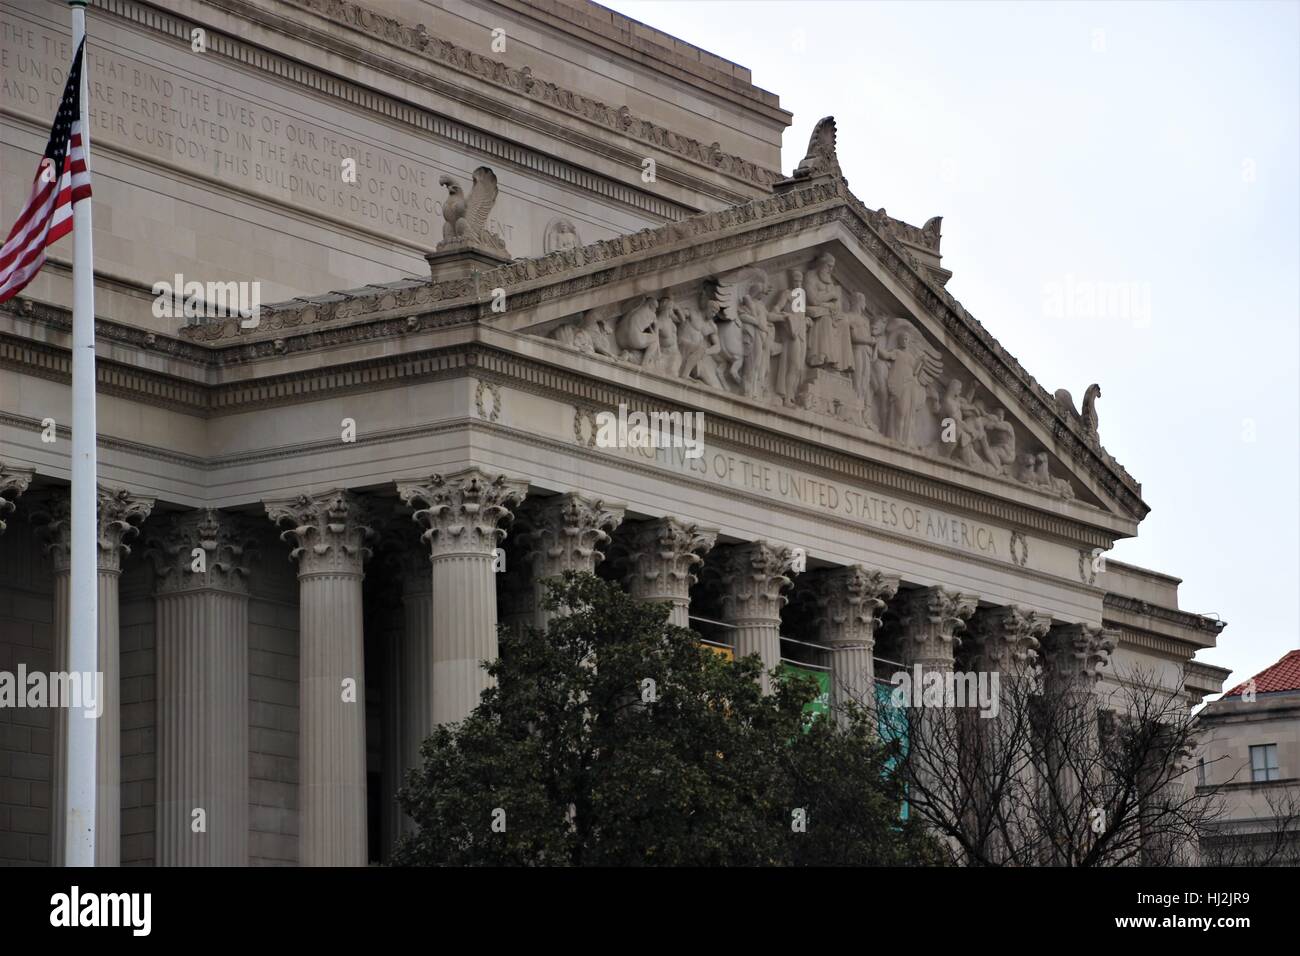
<point>745,332</point>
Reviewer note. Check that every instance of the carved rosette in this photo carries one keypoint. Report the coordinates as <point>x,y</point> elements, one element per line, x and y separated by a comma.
<point>566,532</point>
<point>661,557</point>
<point>931,619</point>
<point>120,515</point>
<point>13,482</point>
<point>227,544</point>
<point>848,602</point>
<point>328,531</point>
<point>1007,639</point>
<point>752,577</point>
<point>1076,654</point>
<point>462,513</point>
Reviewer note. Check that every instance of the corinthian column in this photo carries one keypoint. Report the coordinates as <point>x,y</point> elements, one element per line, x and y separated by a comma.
<point>54,521</point>
<point>1005,640</point>
<point>1074,655</point>
<point>329,532</point>
<point>931,621</point>
<point>752,576</point>
<point>848,601</point>
<point>659,563</point>
<point>120,514</point>
<point>13,482</point>
<point>461,514</point>
<point>202,644</point>
<point>565,533</point>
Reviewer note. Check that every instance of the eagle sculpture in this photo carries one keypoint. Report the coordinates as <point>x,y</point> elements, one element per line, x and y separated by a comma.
<point>465,220</point>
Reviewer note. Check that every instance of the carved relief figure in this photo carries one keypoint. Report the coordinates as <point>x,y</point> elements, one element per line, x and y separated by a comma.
<point>794,348</point>
<point>863,342</point>
<point>666,324</point>
<point>588,334</point>
<point>635,333</point>
<point>697,339</point>
<point>914,366</point>
<point>747,336</point>
<point>561,235</point>
<point>829,343</point>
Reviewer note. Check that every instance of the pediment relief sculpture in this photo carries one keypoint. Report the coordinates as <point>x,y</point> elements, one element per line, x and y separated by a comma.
<point>799,337</point>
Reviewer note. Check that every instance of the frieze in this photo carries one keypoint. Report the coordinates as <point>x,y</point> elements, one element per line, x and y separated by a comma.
<point>418,40</point>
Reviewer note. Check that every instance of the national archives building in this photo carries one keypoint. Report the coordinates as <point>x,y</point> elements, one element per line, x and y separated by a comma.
<point>487,228</point>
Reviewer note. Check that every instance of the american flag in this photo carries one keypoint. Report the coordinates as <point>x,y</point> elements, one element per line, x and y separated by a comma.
<point>47,215</point>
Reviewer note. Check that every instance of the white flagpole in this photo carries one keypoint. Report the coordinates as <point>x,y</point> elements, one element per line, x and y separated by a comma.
<point>83,616</point>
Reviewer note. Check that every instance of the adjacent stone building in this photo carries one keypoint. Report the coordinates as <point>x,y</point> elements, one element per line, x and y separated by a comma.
<point>1250,763</point>
<point>491,228</point>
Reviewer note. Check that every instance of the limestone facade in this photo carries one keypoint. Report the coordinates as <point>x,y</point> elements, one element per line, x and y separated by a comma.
<point>377,477</point>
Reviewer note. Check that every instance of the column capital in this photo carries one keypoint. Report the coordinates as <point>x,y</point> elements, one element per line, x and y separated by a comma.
<point>660,556</point>
<point>120,515</point>
<point>847,602</point>
<point>461,513</point>
<point>227,543</point>
<point>328,531</point>
<point>1077,653</point>
<point>566,532</point>
<point>13,482</point>
<point>931,619</point>
<point>1007,638</point>
<point>753,576</point>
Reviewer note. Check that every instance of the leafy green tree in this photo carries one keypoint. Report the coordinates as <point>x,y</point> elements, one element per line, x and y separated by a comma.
<point>617,739</point>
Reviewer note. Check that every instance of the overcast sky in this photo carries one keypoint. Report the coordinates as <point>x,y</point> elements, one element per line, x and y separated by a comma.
<point>1149,151</point>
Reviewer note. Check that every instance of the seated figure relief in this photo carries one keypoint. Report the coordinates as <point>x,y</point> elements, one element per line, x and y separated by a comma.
<point>806,342</point>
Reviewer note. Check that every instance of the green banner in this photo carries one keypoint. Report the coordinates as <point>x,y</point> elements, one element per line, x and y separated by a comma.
<point>821,704</point>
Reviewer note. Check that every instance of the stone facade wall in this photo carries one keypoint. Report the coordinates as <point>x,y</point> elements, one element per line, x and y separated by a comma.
<point>139,715</point>
<point>26,741</point>
<point>273,712</point>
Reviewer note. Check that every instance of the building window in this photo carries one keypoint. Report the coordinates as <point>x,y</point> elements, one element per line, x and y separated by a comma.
<point>1200,772</point>
<point>1263,763</point>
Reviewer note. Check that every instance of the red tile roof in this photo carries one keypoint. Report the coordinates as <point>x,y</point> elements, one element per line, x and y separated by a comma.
<point>1282,676</point>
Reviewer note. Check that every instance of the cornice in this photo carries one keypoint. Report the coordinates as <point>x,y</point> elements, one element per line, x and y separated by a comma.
<point>1167,647</point>
<point>428,122</point>
<point>546,380</point>
<point>574,20</point>
<point>1140,608</point>
<point>417,41</point>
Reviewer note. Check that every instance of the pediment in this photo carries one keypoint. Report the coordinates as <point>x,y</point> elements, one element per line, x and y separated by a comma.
<point>881,352</point>
<point>814,323</point>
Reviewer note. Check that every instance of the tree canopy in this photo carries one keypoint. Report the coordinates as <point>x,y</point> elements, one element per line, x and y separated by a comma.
<point>616,739</point>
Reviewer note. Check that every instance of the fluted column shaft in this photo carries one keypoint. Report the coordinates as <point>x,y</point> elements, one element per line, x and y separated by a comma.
<point>752,577</point>
<point>417,661</point>
<point>202,647</point>
<point>202,728</point>
<point>461,515</point>
<point>118,516</point>
<point>659,563</point>
<point>849,601</point>
<point>329,532</point>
